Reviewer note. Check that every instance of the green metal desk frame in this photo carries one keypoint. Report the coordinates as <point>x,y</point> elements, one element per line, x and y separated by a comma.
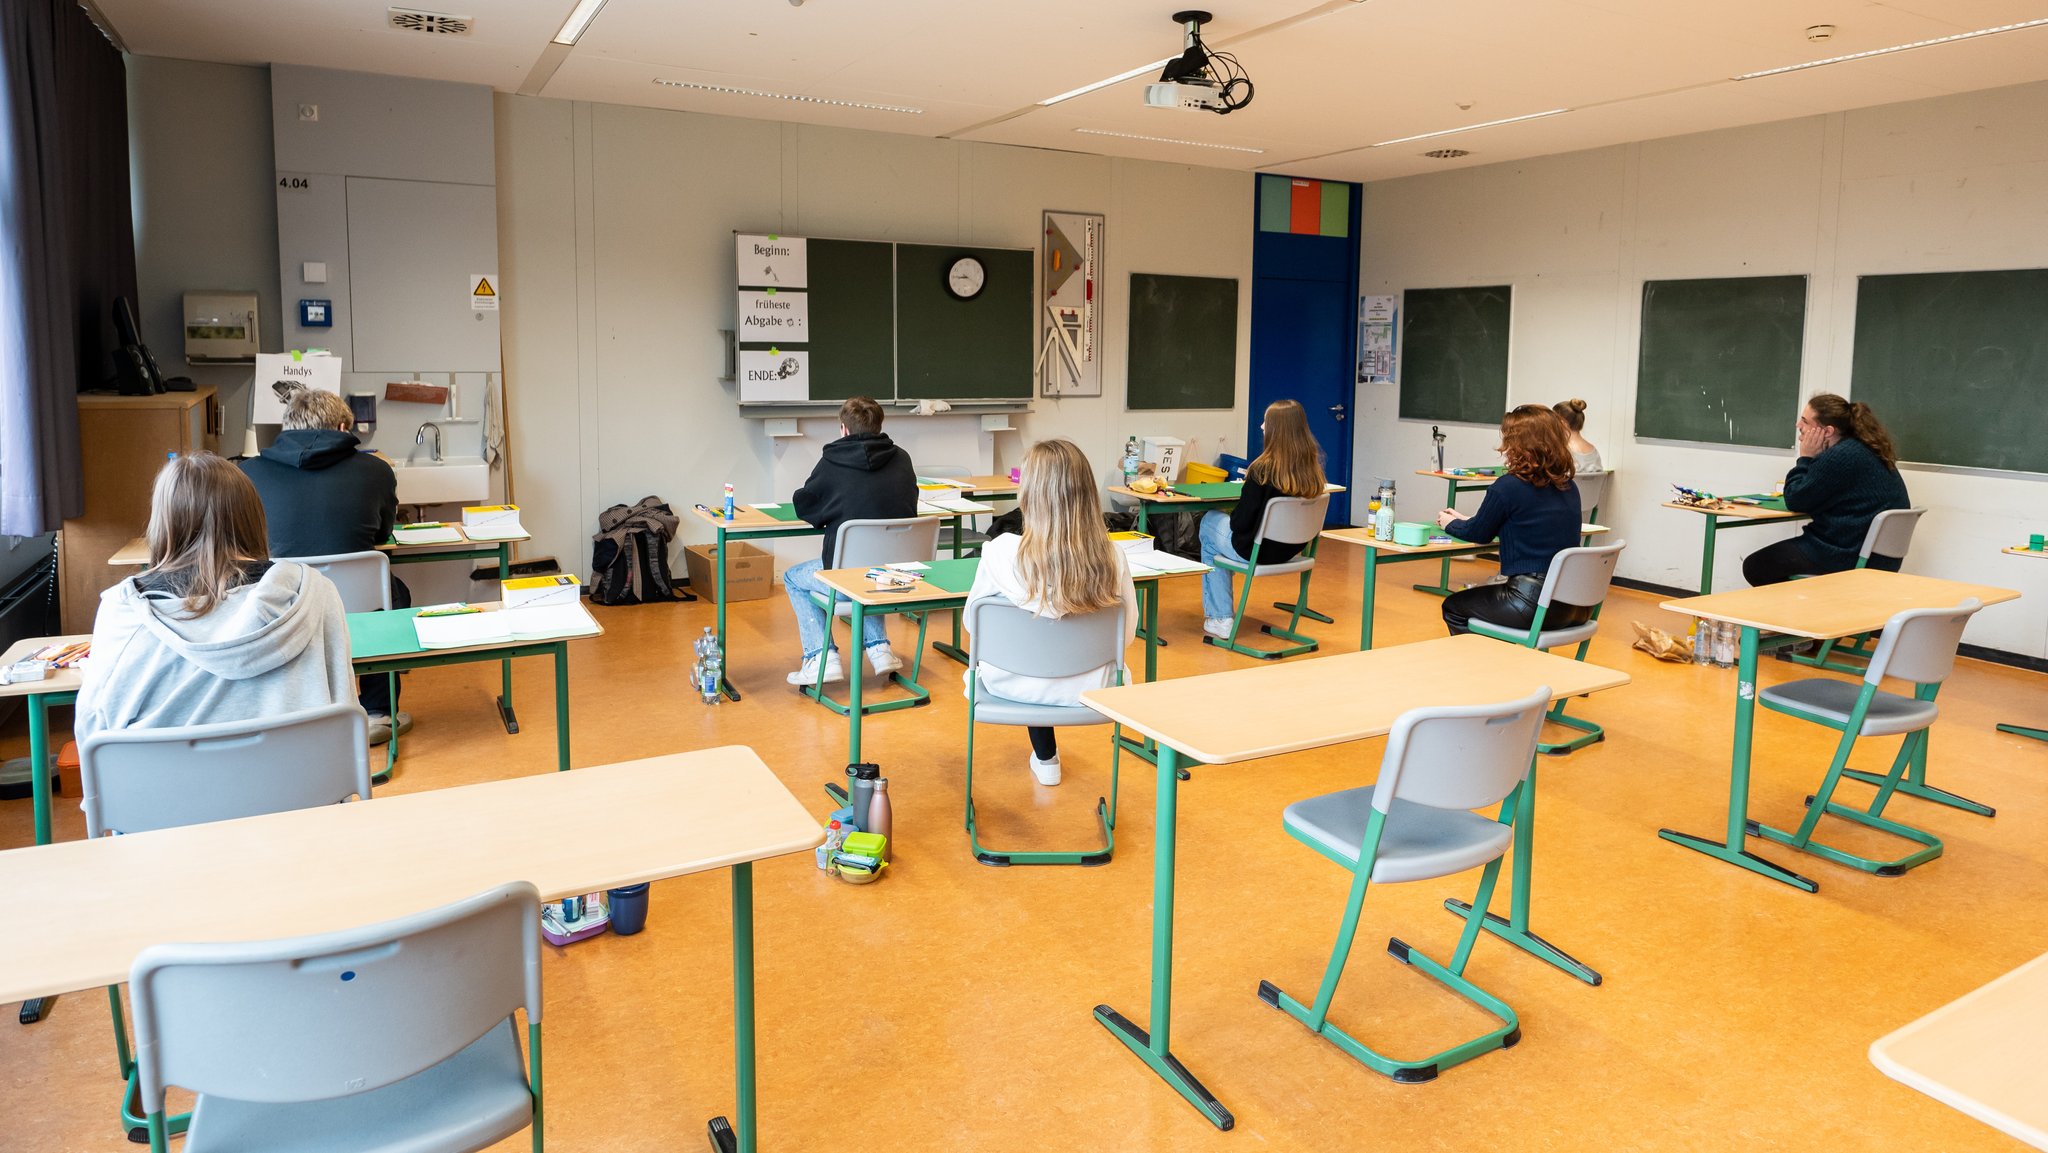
<point>38,706</point>
<point>1458,487</point>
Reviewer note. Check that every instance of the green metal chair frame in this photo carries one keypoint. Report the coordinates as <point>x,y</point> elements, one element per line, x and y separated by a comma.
<point>1008,630</point>
<point>1919,646</point>
<point>1439,764</point>
<point>862,544</point>
<point>1577,576</point>
<point>137,780</point>
<point>1298,517</point>
<point>1891,535</point>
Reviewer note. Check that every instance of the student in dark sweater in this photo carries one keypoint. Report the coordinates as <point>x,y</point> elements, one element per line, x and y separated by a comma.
<point>1534,511</point>
<point>861,476</point>
<point>1847,473</point>
<point>323,495</point>
<point>1290,465</point>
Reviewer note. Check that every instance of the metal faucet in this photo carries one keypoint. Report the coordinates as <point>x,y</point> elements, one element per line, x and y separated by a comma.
<point>420,438</point>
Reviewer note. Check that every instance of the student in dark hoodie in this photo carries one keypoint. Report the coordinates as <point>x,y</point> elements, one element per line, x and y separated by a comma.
<point>862,476</point>
<point>323,495</point>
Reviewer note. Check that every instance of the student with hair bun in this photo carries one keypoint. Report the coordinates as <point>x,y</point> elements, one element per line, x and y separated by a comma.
<point>1847,473</point>
<point>1585,458</point>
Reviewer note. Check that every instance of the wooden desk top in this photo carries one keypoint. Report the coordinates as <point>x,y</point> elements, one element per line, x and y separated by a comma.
<point>746,516</point>
<point>378,635</point>
<point>1245,714</point>
<point>135,553</point>
<point>59,680</point>
<point>306,871</point>
<point>1978,1053</point>
<point>853,584</point>
<point>1158,497</point>
<point>2018,550</point>
<point>1461,478</point>
<point>1836,605</point>
<point>981,485</point>
<point>1356,535</point>
<point>1739,511</point>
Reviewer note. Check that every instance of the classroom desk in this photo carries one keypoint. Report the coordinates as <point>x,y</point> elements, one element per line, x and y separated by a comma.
<point>1379,552</point>
<point>1826,607</point>
<point>1201,498</point>
<point>768,522</point>
<point>1460,483</point>
<point>135,553</point>
<point>2038,734</point>
<point>979,487</point>
<point>385,642</point>
<point>59,688</point>
<point>1977,1053</point>
<point>941,586</point>
<point>1720,520</point>
<point>1326,701</point>
<point>609,826</point>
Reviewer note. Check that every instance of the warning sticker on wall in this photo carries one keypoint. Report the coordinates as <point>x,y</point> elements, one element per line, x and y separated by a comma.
<point>483,291</point>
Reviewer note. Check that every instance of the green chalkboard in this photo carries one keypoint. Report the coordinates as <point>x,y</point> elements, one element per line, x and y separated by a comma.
<point>1956,365</point>
<point>853,319</point>
<point>1183,350</point>
<point>952,349</point>
<point>1719,360</point>
<point>1454,353</point>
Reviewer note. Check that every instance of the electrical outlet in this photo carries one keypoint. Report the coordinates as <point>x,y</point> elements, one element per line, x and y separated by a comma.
<point>309,112</point>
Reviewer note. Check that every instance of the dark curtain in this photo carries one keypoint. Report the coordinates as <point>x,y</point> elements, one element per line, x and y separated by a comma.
<point>67,248</point>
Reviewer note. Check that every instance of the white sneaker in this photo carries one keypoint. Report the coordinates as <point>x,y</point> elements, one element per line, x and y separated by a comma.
<point>883,659</point>
<point>1047,772</point>
<point>808,674</point>
<point>1217,627</point>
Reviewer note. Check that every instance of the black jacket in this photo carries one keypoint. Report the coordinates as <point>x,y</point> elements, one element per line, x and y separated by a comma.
<point>860,477</point>
<point>322,495</point>
<point>1843,488</point>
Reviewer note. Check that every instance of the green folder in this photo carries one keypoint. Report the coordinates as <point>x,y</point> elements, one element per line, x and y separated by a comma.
<point>382,634</point>
<point>1220,490</point>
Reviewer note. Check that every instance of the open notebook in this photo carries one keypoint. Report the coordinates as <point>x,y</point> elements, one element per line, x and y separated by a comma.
<point>535,623</point>
<point>430,532</point>
<point>1156,563</point>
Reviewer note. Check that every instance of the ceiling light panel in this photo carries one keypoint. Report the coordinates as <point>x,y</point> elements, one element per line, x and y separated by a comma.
<point>578,21</point>
<point>1171,140</point>
<point>1896,48</point>
<point>793,97</point>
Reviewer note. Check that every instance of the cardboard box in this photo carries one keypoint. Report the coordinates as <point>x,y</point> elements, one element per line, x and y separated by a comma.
<point>749,571</point>
<point>554,589</point>
<point>1165,453</point>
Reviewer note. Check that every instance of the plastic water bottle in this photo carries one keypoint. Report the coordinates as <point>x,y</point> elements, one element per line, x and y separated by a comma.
<point>1372,517</point>
<point>1384,526</point>
<point>1130,459</point>
<point>710,667</point>
<point>1703,633</point>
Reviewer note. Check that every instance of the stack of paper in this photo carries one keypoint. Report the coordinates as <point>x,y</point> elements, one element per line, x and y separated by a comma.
<point>1158,563</point>
<point>493,522</point>
<point>534,623</point>
<point>426,532</point>
<point>936,505</point>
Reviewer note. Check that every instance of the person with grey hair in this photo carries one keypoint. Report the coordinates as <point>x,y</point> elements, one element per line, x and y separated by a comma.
<point>324,494</point>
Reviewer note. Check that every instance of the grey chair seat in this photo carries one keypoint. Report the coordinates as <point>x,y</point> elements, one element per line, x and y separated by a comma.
<point>1418,842</point>
<point>469,1101</point>
<point>1834,700</point>
<point>993,710</point>
<point>1547,639</point>
<point>1298,564</point>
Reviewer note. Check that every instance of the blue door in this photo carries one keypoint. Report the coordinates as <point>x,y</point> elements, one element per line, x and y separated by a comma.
<point>1301,350</point>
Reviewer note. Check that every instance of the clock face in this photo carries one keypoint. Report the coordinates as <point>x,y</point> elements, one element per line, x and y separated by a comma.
<point>965,278</point>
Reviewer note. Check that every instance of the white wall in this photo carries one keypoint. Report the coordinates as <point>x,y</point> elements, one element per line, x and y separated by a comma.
<point>615,245</point>
<point>1953,183</point>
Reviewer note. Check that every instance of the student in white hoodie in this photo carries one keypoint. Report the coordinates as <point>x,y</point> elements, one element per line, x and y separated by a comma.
<point>212,630</point>
<point>1062,564</point>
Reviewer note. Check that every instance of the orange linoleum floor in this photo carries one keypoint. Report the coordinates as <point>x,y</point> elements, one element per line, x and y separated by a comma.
<point>948,1007</point>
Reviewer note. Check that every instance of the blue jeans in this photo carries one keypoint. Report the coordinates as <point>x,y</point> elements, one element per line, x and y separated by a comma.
<point>1217,598</point>
<point>810,617</point>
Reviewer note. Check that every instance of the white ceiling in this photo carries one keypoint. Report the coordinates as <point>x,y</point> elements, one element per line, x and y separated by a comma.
<point>1333,76</point>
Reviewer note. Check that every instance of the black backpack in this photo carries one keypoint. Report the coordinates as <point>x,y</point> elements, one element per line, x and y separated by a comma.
<point>629,559</point>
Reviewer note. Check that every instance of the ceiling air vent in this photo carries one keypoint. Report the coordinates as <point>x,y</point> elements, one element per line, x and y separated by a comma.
<point>431,23</point>
<point>1447,153</point>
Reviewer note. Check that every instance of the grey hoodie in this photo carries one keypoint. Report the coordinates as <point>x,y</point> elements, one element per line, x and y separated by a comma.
<point>275,645</point>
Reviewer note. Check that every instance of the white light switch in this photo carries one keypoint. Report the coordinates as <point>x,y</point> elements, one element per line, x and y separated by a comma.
<point>316,272</point>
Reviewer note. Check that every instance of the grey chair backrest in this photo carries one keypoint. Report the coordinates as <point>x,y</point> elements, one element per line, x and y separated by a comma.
<point>1580,576</point>
<point>1891,532</point>
<point>1919,645</point>
<point>334,1014</point>
<point>1017,641</point>
<point>362,578</point>
<point>1592,490</point>
<point>1293,519</point>
<point>865,543</point>
<point>142,779</point>
<point>1460,757</point>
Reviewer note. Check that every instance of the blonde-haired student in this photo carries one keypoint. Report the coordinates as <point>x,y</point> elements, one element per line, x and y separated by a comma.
<point>213,629</point>
<point>1062,564</point>
<point>1290,465</point>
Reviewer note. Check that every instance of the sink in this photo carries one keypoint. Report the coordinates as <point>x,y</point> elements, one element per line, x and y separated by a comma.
<point>453,479</point>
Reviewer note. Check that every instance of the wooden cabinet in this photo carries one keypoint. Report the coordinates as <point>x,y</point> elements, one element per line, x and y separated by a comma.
<point>124,440</point>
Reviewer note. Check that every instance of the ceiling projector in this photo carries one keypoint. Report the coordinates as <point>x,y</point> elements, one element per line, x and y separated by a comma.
<point>1199,78</point>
